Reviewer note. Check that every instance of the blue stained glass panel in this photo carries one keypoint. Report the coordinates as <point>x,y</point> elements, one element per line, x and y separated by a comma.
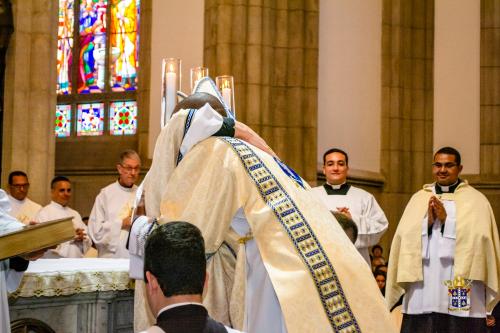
<point>90,119</point>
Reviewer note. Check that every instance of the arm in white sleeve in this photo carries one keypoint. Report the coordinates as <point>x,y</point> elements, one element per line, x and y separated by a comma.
<point>139,232</point>
<point>372,223</point>
<point>104,233</point>
<point>425,239</point>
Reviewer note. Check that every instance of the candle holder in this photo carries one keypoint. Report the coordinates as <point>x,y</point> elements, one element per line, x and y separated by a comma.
<point>171,83</point>
<point>225,84</point>
<point>197,73</point>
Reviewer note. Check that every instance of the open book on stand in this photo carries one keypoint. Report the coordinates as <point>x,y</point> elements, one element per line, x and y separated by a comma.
<point>36,237</point>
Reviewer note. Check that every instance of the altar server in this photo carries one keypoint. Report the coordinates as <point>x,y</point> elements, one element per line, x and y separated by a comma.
<point>351,201</point>
<point>445,256</point>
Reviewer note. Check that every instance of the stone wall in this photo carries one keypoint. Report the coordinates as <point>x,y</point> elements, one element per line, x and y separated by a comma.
<point>271,49</point>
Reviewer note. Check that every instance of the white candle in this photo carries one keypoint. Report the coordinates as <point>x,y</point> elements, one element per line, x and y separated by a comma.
<point>171,93</point>
<point>226,95</point>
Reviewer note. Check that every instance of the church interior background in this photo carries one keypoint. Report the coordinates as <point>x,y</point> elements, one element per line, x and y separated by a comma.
<point>389,81</point>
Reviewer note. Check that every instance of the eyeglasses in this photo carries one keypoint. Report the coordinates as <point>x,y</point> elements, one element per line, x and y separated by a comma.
<point>130,169</point>
<point>19,186</point>
<point>448,165</point>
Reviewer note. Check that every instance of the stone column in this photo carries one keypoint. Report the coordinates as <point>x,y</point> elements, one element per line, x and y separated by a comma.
<point>490,89</point>
<point>271,49</point>
<point>407,103</point>
<point>30,95</point>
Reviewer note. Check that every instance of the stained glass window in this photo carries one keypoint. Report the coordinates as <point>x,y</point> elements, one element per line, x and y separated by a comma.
<point>123,118</point>
<point>90,119</point>
<point>63,121</point>
<point>124,44</point>
<point>64,46</point>
<point>97,66</point>
<point>92,23</point>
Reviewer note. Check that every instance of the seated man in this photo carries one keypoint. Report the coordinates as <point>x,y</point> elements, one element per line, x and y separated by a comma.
<point>175,273</point>
<point>57,209</point>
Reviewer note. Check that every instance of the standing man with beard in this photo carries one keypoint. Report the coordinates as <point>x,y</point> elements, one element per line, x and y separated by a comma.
<point>445,255</point>
<point>353,202</point>
<point>110,219</point>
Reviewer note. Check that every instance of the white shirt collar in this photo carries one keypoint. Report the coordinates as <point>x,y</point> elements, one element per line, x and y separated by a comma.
<point>171,306</point>
<point>335,187</point>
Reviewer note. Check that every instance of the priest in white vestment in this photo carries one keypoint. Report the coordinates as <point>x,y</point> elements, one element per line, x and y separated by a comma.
<point>445,255</point>
<point>355,203</point>
<point>109,220</point>
<point>11,270</point>
<point>57,209</point>
<point>293,274</point>
<point>22,208</point>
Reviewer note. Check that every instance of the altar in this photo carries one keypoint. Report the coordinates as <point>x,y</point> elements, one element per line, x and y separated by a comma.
<point>73,296</point>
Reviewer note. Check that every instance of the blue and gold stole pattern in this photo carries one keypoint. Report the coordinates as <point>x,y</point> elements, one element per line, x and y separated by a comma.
<point>304,240</point>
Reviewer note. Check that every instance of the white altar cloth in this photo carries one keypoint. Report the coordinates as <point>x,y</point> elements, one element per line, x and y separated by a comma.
<point>67,276</point>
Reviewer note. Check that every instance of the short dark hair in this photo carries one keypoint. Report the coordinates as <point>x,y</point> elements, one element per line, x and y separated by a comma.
<point>377,247</point>
<point>128,153</point>
<point>58,179</point>
<point>16,173</point>
<point>450,151</point>
<point>335,150</point>
<point>199,99</point>
<point>347,224</point>
<point>175,255</point>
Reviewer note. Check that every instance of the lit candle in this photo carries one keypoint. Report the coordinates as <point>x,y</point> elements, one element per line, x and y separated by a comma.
<point>171,87</point>
<point>226,93</point>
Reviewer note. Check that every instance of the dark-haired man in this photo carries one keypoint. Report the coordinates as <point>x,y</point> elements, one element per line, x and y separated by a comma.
<point>175,274</point>
<point>22,208</point>
<point>109,220</point>
<point>445,255</point>
<point>351,201</point>
<point>57,209</point>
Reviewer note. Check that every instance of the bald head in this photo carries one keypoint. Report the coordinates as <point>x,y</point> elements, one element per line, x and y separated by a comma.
<point>197,100</point>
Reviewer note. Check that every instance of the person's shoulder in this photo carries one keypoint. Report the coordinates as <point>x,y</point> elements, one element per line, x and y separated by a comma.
<point>153,329</point>
<point>318,189</point>
<point>359,191</point>
<point>34,204</point>
<point>232,330</point>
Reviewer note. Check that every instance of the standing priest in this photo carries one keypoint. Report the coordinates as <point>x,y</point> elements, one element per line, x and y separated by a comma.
<point>445,255</point>
<point>11,270</point>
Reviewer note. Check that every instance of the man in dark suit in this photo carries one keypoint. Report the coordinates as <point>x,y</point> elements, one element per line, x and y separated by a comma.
<point>175,274</point>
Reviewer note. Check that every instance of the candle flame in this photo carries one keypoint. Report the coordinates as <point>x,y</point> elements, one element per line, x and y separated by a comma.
<point>171,68</point>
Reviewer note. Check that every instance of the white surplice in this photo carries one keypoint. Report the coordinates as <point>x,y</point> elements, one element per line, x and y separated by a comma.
<point>438,253</point>
<point>112,205</point>
<point>24,210</point>
<point>365,211</point>
<point>69,249</point>
<point>9,278</point>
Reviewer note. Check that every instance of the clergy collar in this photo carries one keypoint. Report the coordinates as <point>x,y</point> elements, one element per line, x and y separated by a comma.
<point>171,306</point>
<point>336,189</point>
<point>440,189</point>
